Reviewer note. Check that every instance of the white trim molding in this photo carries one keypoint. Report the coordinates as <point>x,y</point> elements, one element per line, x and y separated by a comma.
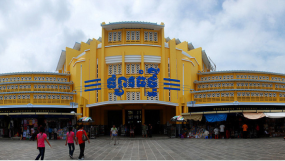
<point>78,62</point>
<point>113,59</point>
<point>189,61</point>
<point>235,103</point>
<point>133,58</point>
<point>61,60</point>
<point>37,106</point>
<point>152,59</point>
<point>132,102</point>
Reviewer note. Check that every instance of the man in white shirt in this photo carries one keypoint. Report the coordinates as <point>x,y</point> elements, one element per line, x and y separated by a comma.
<point>114,134</point>
<point>222,131</point>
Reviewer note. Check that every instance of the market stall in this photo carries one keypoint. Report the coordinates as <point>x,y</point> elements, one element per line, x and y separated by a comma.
<point>92,131</point>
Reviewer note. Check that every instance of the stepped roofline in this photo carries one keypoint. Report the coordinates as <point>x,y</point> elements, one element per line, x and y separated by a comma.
<point>132,25</point>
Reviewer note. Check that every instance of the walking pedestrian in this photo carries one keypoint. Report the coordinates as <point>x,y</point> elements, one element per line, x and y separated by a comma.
<point>81,138</point>
<point>69,139</point>
<point>257,130</point>
<point>55,133</point>
<point>144,129</point>
<point>244,129</point>
<point>150,130</point>
<point>49,132</point>
<point>34,135</point>
<point>41,138</point>
<point>126,130</point>
<point>222,131</point>
<point>132,131</point>
<point>21,132</point>
<point>114,134</point>
<point>216,131</point>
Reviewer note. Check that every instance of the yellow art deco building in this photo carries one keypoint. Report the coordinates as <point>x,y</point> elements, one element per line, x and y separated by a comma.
<point>123,50</point>
<point>132,74</point>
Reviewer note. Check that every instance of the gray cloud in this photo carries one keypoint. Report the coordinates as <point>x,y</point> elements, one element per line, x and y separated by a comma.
<point>238,34</point>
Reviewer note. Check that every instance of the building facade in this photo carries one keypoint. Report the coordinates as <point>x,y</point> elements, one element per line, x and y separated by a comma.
<point>35,96</point>
<point>129,50</point>
<point>133,75</point>
<point>239,90</point>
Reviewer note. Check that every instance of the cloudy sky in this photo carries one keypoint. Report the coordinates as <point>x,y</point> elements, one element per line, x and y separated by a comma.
<point>236,34</point>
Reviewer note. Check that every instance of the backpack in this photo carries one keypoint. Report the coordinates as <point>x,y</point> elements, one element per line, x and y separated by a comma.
<point>84,138</point>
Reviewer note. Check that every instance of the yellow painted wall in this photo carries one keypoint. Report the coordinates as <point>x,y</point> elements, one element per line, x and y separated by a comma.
<point>173,52</point>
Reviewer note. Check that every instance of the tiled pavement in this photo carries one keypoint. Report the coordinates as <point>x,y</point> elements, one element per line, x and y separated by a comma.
<point>152,149</point>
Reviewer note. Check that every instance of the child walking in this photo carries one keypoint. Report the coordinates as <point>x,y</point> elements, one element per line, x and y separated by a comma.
<point>41,138</point>
<point>69,139</point>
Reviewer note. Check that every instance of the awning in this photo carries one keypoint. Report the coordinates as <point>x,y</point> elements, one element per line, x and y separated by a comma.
<point>275,115</point>
<point>193,117</point>
<point>253,116</point>
<point>216,117</point>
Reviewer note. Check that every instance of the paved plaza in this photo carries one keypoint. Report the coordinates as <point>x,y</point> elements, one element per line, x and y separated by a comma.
<point>152,149</point>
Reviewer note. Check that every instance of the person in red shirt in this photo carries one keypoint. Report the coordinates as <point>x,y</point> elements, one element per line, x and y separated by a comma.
<point>244,129</point>
<point>41,138</point>
<point>257,130</point>
<point>69,139</point>
<point>81,143</point>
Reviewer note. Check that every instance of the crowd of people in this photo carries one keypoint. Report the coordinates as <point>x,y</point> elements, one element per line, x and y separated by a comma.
<point>129,130</point>
<point>79,138</point>
<point>221,131</point>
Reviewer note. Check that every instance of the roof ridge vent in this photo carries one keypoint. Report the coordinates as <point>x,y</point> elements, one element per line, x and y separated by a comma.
<point>177,41</point>
<point>190,46</point>
<point>167,39</point>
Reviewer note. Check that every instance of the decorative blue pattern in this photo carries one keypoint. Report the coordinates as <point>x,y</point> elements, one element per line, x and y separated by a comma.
<point>92,85</point>
<point>171,84</point>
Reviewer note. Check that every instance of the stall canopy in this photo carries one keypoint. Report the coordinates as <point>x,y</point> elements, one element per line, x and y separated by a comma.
<point>85,119</point>
<point>216,117</point>
<point>253,116</point>
<point>177,118</point>
<point>193,117</point>
<point>275,115</point>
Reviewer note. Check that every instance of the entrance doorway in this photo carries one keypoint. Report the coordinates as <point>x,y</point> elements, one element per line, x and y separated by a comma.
<point>153,117</point>
<point>114,118</point>
<point>134,117</point>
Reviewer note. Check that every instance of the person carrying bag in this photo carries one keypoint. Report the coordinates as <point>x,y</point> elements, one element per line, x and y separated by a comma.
<point>81,138</point>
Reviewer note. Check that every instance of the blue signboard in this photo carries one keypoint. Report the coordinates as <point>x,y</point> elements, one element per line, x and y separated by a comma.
<point>152,81</point>
<point>123,82</point>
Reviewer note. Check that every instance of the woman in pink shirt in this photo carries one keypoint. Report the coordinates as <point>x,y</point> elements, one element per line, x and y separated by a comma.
<point>41,137</point>
<point>69,139</point>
